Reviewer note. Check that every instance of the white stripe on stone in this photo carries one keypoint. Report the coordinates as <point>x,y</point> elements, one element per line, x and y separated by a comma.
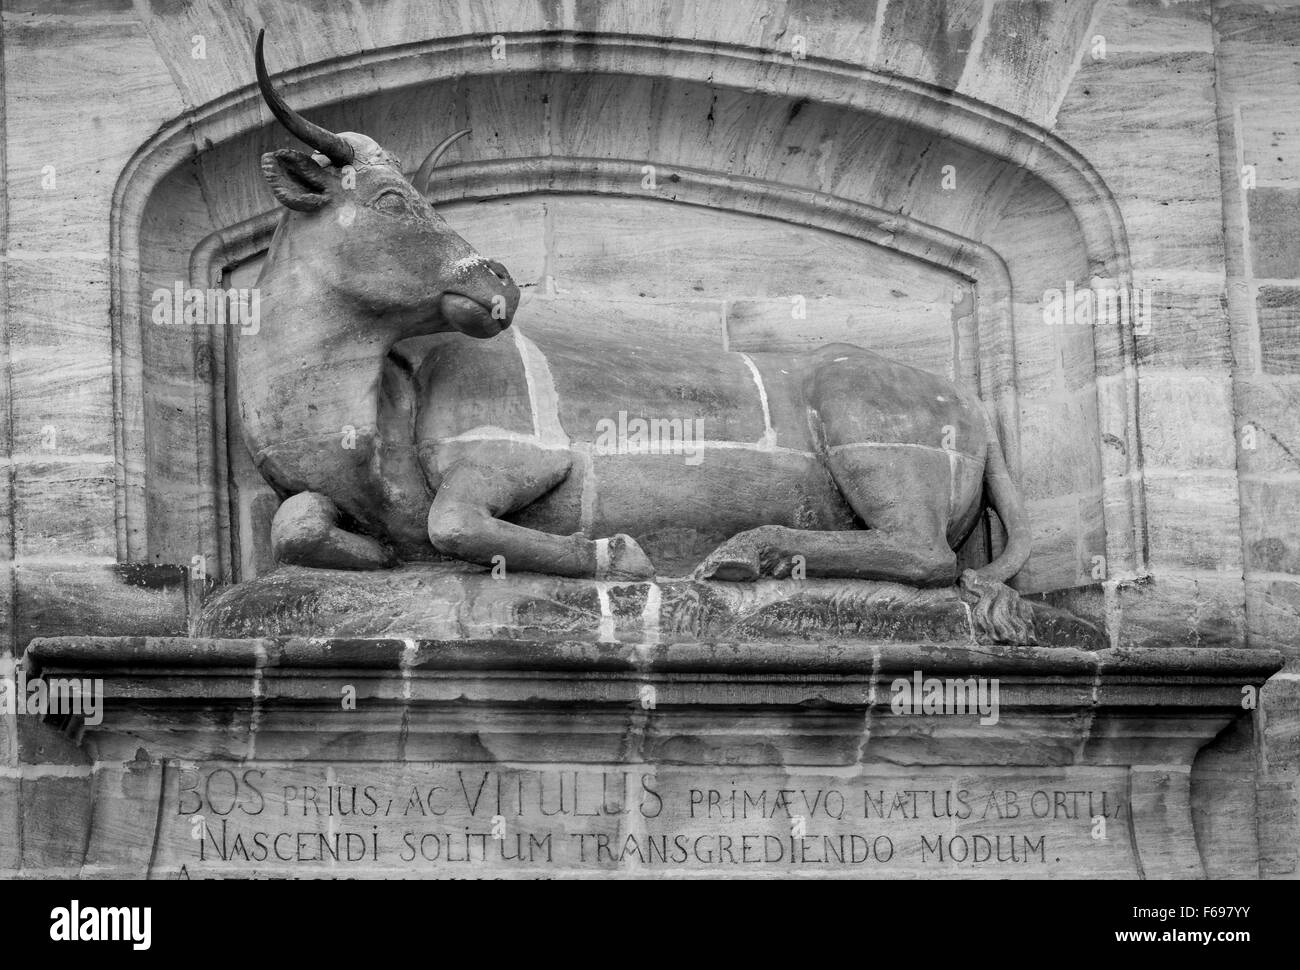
<point>953,453</point>
<point>500,434</point>
<point>650,615</point>
<point>587,503</point>
<point>768,441</point>
<point>543,398</point>
<point>606,634</point>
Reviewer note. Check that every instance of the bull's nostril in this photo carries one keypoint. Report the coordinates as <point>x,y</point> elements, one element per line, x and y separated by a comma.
<point>499,271</point>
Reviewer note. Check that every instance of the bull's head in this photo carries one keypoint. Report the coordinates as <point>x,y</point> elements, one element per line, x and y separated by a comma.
<point>386,249</point>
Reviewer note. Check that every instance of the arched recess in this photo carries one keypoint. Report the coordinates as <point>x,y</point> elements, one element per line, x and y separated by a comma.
<point>812,143</point>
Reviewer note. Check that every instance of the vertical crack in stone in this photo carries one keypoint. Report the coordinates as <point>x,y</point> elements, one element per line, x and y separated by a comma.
<point>1091,714</point>
<point>864,739</point>
<point>1194,619</point>
<point>1114,610</point>
<point>410,650</point>
<point>632,751</point>
<point>255,715</point>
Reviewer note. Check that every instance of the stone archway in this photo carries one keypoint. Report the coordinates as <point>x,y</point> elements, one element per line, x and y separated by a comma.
<point>816,143</point>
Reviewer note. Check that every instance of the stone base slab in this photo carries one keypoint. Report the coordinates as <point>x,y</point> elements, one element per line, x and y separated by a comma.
<point>419,758</point>
<point>456,601</point>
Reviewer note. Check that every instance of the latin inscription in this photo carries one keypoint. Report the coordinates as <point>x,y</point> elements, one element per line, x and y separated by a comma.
<point>475,820</point>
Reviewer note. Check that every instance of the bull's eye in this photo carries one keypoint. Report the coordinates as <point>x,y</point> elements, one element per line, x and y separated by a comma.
<point>393,203</point>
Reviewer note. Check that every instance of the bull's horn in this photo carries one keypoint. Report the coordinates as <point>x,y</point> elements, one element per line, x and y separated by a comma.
<point>336,149</point>
<point>421,180</point>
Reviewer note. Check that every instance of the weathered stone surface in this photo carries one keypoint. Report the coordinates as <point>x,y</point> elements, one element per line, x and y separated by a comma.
<point>1189,323</point>
<point>11,843</point>
<point>119,432</point>
<point>1271,525</point>
<point>449,601</point>
<point>1279,327</point>
<point>1277,820</point>
<point>1193,522</point>
<point>1192,609</point>
<point>1224,805</point>
<point>1155,25</point>
<point>1280,698</point>
<point>1264,410</point>
<point>629,750</point>
<point>1273,613</point>
<point>1275,251</point>
<point>130,599</point>
<point>1187,420</point>
<point>61,356</point>
<point>1130,113</point>
<point>1271,140</point>
<point>64,507</point>
<point>1054,563</point>
<point>930,42</point>
<point>56,806</point>
<point>1027,41</point>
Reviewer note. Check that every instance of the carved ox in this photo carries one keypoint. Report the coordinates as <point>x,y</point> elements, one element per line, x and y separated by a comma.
<point>864,468</point>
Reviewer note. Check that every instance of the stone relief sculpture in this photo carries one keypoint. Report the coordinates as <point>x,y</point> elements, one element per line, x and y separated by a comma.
<point>835,463</point>
<point>628,578</point>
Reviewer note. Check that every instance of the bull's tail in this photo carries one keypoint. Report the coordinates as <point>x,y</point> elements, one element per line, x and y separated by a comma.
<point>1005,498</point>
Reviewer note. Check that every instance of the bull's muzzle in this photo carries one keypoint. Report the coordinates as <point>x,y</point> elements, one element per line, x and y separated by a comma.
<point>483,315</point>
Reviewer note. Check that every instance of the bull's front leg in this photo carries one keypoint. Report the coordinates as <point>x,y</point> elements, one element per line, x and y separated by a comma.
<point>305,532</point>
<point>464,521</point>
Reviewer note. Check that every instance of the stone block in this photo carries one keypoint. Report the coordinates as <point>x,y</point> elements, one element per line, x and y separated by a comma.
<point>1275,233</point>
<point>56,809</point>
<point>1280,702</point>
<point>1200,610</point>
<point>65,507</point>
<point>1270,523</point>
<point>78,597</point>
<point>1273,613</point>
<point>1278,311</point>
<point>60,356</point>
<point>929,42</point>
<point>1192,521</point>
<point>1189,322</point>
<point>1027,57</point>
<point>1266,414</point>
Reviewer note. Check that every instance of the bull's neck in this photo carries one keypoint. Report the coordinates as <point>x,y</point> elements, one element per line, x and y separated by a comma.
<point>313,367</point>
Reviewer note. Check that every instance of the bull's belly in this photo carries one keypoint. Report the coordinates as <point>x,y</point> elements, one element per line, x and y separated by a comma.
<point>679,507</point>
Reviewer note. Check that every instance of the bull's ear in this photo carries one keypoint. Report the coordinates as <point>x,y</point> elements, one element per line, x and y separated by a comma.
<point>297,181</point>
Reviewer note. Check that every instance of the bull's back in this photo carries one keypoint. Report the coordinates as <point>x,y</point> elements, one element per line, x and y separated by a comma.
<point>680,449</point>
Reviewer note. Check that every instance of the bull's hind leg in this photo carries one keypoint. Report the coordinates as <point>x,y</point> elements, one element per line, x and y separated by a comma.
<point>304,532</point>
<point>902,493</point>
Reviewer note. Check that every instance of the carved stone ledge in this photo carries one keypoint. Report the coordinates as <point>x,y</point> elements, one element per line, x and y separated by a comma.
<point>453,601</point>
<point>582,745</point>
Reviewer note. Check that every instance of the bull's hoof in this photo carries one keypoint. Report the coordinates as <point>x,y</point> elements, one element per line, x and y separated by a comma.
<point>728,569</point>
<point>737,560</point>
<point>627,560</point>
<point>997,611</point>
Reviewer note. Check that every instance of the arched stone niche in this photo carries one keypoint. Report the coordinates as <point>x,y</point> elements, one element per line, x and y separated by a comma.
<point>754,155</point>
